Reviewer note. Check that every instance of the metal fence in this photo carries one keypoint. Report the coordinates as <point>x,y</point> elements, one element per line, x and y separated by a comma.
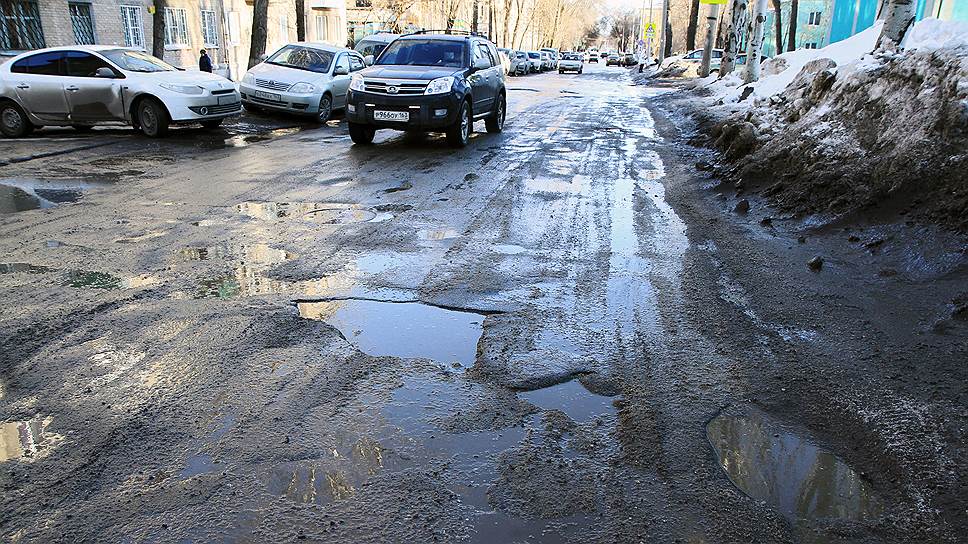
<point>20,25</point>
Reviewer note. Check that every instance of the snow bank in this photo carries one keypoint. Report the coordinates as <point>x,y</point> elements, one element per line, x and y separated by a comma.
<point>936,34</point>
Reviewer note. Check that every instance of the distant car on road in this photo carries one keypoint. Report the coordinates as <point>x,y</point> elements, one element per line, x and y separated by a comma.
<point>628,59</point>
<point>302,78</point>
<point>612,59</point>
<point>429,82</point>
<point>374,44</point>
<point>87,85</point>
<point>536,62</point>
<point>554,55</point>
<point>506,55</point>
<point>571,62</point>
<point>520,65</point>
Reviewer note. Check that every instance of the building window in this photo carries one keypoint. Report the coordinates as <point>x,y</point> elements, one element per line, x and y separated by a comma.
<point>209,28</point>
<point>810,45</point>
<point>82,22</point>
<point>133,26</point>
<point>176,27</point>
<point>814,18</point>
<point>322,31</point>
<point>20,25</point>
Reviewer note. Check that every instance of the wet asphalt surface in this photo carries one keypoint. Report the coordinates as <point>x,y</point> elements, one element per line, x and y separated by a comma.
<point>561,333</point>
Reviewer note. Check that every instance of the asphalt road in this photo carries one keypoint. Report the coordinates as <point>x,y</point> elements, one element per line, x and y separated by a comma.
<point>562,333</point>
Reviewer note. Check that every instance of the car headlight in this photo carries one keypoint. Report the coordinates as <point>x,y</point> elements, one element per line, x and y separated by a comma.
<point>356,84</point>
<point>440,85</point>
<point>248,78</point>
<point>183,89</point>
<point>302,88</point>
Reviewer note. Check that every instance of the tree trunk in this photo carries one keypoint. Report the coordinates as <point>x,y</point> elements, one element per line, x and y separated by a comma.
<point>693,26</point>
<point>754,49</point>
<point>474,7</point>
<point>738,10</point>
<point>300,20</point>
<point>668,41</point>
<point>158,29</point>
<point>778,26</point>
<point>666,35</point>
<point>792,38</point>
<point>506,27</point>
<point>707,53</point>
<point>897,20</point>
<point>260,28</point>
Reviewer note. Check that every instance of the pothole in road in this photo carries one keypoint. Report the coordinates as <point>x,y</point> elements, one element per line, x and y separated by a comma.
<point>402,329</point>
<point>436,235</point>
<point>572,398</point>
<point>508,249</point>
<point>316,212</point>
<point>246,253</point>
<point>83,279</point>
<point>29,196</point>
<point>26,440</point>
<point>770,462</point>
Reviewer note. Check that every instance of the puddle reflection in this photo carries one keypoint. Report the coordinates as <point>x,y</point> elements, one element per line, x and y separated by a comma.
<point>26,439</point>
<point>771,463</point>
<point>316,212</point>
<point>572,398</point>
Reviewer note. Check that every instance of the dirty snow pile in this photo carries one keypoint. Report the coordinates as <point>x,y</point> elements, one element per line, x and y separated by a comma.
<point>840,129</point>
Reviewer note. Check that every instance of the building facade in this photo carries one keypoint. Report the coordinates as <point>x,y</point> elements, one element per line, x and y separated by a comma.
<point>222,27</point>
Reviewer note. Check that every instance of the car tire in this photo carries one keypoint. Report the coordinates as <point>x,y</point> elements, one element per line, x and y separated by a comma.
<point>251,109</point>
<point>212,123</point>
<point>560,72</point>
<point>495,122</point>
<point>580,71</point>
<point>362,134</point>
<point>325,109</point>
<point>152,118</point>
<point>459,134</point>
<point>13,121</point>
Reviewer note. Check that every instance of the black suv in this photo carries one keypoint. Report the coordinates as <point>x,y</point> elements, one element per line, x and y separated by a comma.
<point>429,81</point>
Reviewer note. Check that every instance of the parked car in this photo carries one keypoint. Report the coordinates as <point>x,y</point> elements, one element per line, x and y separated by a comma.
<point>693,59</point>
<point>535,59</point>
<point>87,85</point>
<point>301,78</point>
<point>374,44</point>
<point>520,65</point>
<point>612,59</point>
<point>554,56</point>
<point>429,82</point>
<point>505,54</point>
<point>628,59</point>
<point>571,62</point>
<point>593,56</point>
<point>546,62</point>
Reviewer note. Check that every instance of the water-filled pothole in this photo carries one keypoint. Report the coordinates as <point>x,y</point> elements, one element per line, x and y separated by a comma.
<point>402,329</point>
<point>316,212</point>
<point>20,197</point>
<point>773,463</point>
<point>572,398</point>
<point>26,440</point>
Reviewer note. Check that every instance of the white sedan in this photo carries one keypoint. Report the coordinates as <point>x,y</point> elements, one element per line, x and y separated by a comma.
<point>87,85</point>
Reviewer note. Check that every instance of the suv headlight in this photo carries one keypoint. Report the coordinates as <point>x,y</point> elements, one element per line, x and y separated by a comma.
<point>356,84</point>
<point>440,85</point>
<point>183,89</point>
<point>248,78</point>
<point>302,88</point>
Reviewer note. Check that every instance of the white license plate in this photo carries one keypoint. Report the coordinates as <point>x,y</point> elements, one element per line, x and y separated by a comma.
<point>403,116</point>
<point>268,96</point>
<point>227,99</point>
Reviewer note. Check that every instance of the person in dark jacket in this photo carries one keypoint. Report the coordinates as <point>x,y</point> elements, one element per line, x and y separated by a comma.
<point>204,62</point>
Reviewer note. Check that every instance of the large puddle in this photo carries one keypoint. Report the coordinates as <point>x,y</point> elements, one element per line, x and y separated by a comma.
<point>26,440</point>
<point>771,462</point>
<point>572,398</point>
<point>402,329</point>
<point>20,196</point>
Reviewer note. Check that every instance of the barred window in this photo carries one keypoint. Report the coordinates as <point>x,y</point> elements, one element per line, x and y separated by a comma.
<point>209,28</point>
<point>82,22</point>
<point>134,35</point>
<point>814,18</point>
<point>20,25</point>
<point>176,27</point>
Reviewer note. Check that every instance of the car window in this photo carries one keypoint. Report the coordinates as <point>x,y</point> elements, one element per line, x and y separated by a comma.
<point>494,53</point>
<point>717,54</point>
<point>302,58</point>
<point>356,63</point>
<point>481,52</point>
<point>81,64</point>
<point>343,62</point>
<point>694,55</point>
<point>136,61</point>
<point>424,52</point>
<point>45,64</point>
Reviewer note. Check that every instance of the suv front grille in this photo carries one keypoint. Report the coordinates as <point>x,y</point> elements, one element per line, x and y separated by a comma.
<point>403,87</point>
<point>274,85</point>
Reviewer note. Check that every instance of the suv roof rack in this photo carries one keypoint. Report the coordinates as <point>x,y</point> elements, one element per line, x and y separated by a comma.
<point>450,31</point>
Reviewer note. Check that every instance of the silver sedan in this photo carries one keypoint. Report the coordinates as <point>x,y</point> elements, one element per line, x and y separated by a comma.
<point>302,78</point>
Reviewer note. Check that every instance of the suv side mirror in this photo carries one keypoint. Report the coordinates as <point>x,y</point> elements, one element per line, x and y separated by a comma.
<point>368,60</point>
<point>105,73</point>
<point>341,71</point>
<point>481,64</point>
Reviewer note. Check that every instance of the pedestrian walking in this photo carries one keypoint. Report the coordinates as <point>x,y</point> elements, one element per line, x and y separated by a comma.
<point>204,62</point>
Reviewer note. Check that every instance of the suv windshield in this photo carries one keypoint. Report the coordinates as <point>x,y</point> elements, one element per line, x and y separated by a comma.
<point>302,58</point>
<point>421,52</point>
<point>136,61</point>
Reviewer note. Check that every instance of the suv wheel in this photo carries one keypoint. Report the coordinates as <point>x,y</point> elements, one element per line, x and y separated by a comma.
<point>152,118</point>
<point>325,109</point>
<point>362,134</point>
<point>13,121</point>
<point>495,122</point>
<point>460,133</point>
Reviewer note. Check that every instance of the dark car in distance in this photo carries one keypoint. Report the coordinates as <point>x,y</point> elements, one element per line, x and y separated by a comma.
<point>431,81</point>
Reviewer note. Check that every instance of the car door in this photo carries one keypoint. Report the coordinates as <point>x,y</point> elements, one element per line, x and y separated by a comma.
<point>341,81</point>
<point>91,98</point>
<point>482,79</point>
<point>40,85</point>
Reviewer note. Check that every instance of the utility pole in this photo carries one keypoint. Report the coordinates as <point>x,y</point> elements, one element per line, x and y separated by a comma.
<point>707,52</point>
